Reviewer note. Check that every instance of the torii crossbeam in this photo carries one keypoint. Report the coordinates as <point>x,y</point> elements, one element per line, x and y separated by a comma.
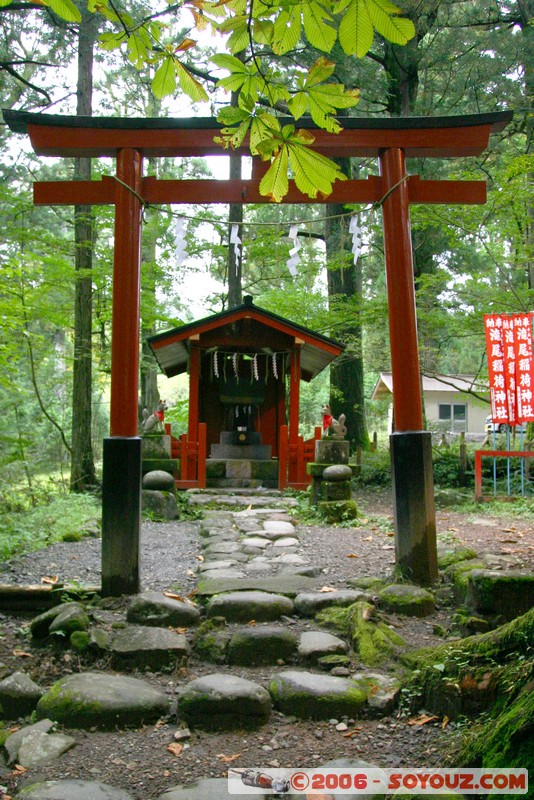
<point>389,140</point>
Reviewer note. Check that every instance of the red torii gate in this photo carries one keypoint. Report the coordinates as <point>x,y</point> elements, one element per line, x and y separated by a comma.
<point>390,140</point>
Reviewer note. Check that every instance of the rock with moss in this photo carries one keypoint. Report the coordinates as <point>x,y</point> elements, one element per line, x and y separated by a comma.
<point>94,699</point>
<point>337,511</point>
<point>160,610</point>
<point>261,645</point>
<point>162,505</point>
<point>315,644</point>
<point>407,599</point>
<point>222,702</point>
<point>458,575</point>
<point>505,593</point>
<point>308,604</point>
<point>382,691</point>
<point>372,639</point>
<point>249,605</point>
<point>310,696</point>
<point>18,695</point>
<point>450,554</point>
<point>64,618</point>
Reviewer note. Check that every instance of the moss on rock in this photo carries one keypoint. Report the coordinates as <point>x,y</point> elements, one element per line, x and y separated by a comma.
<point>372,639</point>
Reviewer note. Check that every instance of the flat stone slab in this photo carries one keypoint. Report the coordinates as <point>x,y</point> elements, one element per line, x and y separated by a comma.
<point>222,574</point>
<point>261,645</point>
<point>382,691</point>
<point>247,606</point>
<point>38,748</point>
<point>154,608</point>
<point>311,696</point>
<point>407,599</point>
<point>40,626</point>
<point>276,527</point>
<point>95,699</point>
<point>222,701</point>
<point>314,644</point>
<point>72,790</point>
<point>308,604</point>
<point>256,541</point>
<point>13,742</point>
<point>283,585</point>
<point>18,695</point>
<point>142,646</point>
<point>508,593</point>
<point>224,564</point>
<point>286,541</point>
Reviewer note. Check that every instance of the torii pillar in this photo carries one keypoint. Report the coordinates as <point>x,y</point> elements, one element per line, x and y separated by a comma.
<point>391,141</point>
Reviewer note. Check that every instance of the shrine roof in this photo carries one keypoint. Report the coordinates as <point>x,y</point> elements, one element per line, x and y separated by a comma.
<point>171,348</point>
<point>445,136</point>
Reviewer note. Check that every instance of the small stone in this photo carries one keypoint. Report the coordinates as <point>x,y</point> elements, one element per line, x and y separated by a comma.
<point>342,726</point>
<point>183,733</point>
<point>337,472</point>
<point>18,695</point>
<point>159,479</point>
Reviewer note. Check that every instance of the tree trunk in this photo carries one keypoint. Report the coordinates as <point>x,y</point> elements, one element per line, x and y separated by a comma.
<point>83,474</point>
<point>526,10</point>
<point>345,283</point>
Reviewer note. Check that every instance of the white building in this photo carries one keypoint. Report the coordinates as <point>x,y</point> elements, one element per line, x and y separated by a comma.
<point>449,405</point>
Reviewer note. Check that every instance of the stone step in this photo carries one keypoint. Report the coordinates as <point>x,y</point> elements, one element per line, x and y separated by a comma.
<point>244,483</point>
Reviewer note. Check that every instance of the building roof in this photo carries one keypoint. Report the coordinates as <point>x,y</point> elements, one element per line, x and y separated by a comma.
<point>171,348</point>
<point>436,383</point>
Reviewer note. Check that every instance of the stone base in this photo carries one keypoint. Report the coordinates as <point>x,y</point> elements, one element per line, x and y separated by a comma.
<point>241,472</point>
<point>332,451</point>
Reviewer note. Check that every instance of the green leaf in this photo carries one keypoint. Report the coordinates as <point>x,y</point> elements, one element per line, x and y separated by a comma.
<point>230,115</point>
<point>298,105</point>
<point>287,27</point>
<point>64,9</point>
<point>262,127</point>
<point>4,3</point>
<point>188,84</point>
<point>314,173</point>
<point>274,183</point>
<point>318,32</point>
<point>263,31</point>
<point>356,29</point>
<point>164,81</point>
<point>111,41</point>
<point>231,63</point>
<point>395,29</point>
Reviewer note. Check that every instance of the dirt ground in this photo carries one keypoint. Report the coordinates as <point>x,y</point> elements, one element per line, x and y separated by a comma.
<point>140,762</point>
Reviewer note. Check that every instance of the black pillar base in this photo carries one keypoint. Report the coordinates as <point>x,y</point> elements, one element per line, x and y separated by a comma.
<point>121,515</point>
<point>414,513</point>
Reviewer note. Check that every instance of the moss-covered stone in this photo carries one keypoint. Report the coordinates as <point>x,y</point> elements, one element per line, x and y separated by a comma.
<point>336,490</point>
<point>506,593</point>
<point>310,696</point>
<point>332,661</point>
<point>407,599</point>
<point>264,470</point>
<point>447,555</point>
<point>459,573</point>
<point>212,647</point>
<point>215,469</point>
<point>87,700</point>
<point>72,536</point>
<point>335,617</point>
<point>80,641</point>
<point>372,639</point>
<point>261,645</point>
<point>337,511</point>
<point>222,701</point>
<point>40,625</point>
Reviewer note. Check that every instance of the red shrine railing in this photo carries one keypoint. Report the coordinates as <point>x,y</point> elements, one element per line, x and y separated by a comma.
<point>192,457</point>
<point>293,458</point>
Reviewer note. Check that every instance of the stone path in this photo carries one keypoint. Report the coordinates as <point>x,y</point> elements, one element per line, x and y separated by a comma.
<point>256,605</point>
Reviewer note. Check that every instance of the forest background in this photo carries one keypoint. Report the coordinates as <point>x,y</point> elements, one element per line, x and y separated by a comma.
<point>465,57</point>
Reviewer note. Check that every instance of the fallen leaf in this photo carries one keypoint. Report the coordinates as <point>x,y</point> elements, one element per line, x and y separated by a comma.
<point>350,734</point>
<point>422,719</point>
<point>173,596</point>
<point>191,573</point>
<point>19,770</point>
<point>21,654</point>
<point>50,580</point>
<point>390,533</point>
<point>511,529</point>
<point>175,748</point>
<point>227,759</point>
<point>199,558</point>
<point>453,530</point>
<point>444,723</point>
<point>167,773</point>
<point>368,539</point>
<point>326,589</point>
<point>252,622</point>
<point>353,555</point>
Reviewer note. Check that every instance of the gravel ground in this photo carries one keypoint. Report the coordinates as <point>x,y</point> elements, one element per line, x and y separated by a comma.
<point>139,762</point>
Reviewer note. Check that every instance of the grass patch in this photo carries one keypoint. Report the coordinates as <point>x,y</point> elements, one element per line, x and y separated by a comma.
<point>59,518</point>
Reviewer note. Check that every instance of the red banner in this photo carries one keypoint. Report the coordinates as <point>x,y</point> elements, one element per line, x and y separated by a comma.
<point>510,367</point>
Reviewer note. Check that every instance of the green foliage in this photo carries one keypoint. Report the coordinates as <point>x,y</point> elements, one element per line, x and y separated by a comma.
<point>375,469</point>
<point>54,518</point>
